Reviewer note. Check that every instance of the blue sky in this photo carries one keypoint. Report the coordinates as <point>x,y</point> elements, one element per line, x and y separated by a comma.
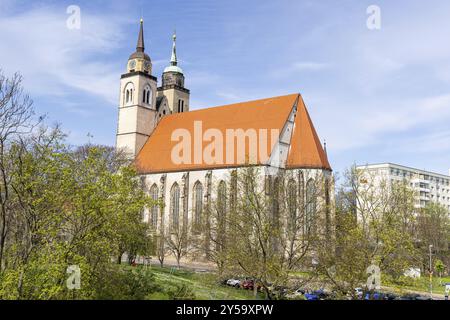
<point>374,95</point>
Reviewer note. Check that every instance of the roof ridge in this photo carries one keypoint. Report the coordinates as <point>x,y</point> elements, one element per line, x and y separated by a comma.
<point>232,104</point>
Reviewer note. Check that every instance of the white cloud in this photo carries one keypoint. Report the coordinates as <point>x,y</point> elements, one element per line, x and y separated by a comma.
<point>312,66</point>
<point>55,59</point>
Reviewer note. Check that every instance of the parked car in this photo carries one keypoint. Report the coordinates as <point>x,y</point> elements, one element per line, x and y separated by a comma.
<point>424,298</point>
<point>322,294</point>
<point>234,283</point>
<point>297,294</point>
<point>409,296</point>
<point>249,284</point>
<point>311,296</point>
<point>359,293</point>
<point>375,296</point>
<point>278,291</point>
<point>390,296</point>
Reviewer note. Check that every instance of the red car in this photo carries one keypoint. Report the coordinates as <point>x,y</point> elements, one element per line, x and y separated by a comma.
<point>249,285</point>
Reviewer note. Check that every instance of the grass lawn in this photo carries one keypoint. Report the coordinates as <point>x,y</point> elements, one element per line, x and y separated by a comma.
<point>423,284</point>
<point>204,285</point>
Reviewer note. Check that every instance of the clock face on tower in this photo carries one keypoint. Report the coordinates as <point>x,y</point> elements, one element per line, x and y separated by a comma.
<point>132,64</point>
<point>147,66</point>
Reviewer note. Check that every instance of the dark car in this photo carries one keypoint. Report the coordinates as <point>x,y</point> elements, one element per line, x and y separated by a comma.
<point>390,296</point>
<point>278,292</point>
<point>424,298</point>
<point>321,294</point>
<point>409,296</point>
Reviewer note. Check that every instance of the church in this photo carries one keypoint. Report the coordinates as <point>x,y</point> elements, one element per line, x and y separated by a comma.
<point>152,120</point>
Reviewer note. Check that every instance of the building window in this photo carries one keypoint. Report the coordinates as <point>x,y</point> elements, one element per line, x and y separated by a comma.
<point>221,214</point>
<point>233,191</point>
<point>222,199</point>
<point>292,204</point>
<point>180,105</point>
<point>198,203</point>
<point>147,95</point>
<point>175,206</point>
<point>154,209</point>
<point>129,88</point>
<point>310,205</point>
<point>301,190</point>
<point>276,201</point>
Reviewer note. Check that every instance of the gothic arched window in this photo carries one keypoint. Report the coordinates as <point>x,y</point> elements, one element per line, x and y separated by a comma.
<point>311,198</point>
<point>147,95</point>
<point>221,214</point>
<point>301,190</point>
<point>129,88</point>
<point>222,199</point>
<point>175,206</point>
<point>292,203</point>
<point>276,201</point>
<point>154,209</point>
<point>198,203</point>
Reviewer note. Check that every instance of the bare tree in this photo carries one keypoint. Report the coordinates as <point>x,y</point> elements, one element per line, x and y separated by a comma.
<point>161,248</point>
<point>16,120</point>
<point>178,242</point>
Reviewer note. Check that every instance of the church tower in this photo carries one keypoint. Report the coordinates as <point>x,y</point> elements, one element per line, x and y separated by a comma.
<point>137,104</point>
<point>172,88</point>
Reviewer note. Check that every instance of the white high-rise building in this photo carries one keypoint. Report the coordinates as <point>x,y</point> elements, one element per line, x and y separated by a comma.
<point>428,186</point>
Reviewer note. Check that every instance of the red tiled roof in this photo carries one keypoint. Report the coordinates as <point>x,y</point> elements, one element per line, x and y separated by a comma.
<point>271,113</point>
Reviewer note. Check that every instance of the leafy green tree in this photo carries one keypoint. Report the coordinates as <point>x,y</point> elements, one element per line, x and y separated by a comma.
<point>440,268</point>
<point>433,228</point>
<point>373,227</point>
<point>71,207</point>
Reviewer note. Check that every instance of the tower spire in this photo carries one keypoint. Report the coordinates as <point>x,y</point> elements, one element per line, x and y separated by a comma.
<point>173,58</point>
<point>140,44</point>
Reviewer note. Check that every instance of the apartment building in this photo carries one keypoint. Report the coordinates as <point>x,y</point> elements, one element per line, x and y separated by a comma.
<point>428,186</point>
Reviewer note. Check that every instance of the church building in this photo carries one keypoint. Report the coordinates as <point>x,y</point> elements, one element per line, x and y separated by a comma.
<point>154,119</point>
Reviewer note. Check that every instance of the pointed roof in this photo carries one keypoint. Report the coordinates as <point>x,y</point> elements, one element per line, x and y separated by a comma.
<point>270,113</point>
<point>140,47</point>
<point>173,59</point>
<point>140,43</point>
<point>306,150</point>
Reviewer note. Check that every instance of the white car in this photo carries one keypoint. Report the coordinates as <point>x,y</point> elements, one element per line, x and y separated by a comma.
<point>234,282</point>
<point>296,294</point>
<point>359,292</point>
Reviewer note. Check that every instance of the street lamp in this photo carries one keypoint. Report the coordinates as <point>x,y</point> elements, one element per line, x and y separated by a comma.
<point>431,274</point>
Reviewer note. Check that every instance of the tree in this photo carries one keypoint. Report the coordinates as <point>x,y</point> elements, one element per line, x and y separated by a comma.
<point>72,207</point>
<point>433,227</point>
<point>258,229</point>
<point>373,227</point>
<point>178,242</point>
<point>16,120</point>
<point>61,206</point>
<point>440,267</point>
